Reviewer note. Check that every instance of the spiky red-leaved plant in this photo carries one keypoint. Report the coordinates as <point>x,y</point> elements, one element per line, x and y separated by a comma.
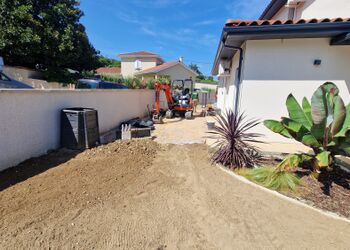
<point>232,147</point>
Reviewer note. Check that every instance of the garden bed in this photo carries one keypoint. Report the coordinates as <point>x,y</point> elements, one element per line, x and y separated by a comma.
<point>332,195</point>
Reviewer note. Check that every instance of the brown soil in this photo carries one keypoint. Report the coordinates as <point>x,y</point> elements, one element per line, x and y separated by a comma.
<point>139,195</point>
<point>333,195</point>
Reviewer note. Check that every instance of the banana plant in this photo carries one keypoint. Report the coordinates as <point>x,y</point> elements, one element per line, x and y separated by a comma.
<point>322,125</point>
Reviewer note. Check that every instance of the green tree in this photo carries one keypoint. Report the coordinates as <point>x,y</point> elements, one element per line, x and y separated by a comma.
<point>108,62</point>
<point>195,68</point>
<point>46,33</point>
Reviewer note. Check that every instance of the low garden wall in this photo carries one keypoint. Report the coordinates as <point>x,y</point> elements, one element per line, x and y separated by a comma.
<point>30,119</point>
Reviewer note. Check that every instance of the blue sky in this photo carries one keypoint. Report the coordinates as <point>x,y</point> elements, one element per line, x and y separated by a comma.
<point>170,28</point>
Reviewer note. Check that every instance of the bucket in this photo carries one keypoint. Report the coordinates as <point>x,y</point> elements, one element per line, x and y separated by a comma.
<point>211,125</point>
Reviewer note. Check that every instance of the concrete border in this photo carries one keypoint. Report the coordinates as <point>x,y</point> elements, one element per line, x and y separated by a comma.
<point>297,202</point>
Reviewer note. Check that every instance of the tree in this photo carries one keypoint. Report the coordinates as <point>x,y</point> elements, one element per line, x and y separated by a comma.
<point>195,68</point>
<point>108,62</point>
<point>46,33</point>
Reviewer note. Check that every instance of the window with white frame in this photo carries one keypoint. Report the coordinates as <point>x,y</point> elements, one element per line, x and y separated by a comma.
<point>138,64</point>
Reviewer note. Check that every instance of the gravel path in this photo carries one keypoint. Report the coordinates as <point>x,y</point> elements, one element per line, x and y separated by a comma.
<point>158,197</point>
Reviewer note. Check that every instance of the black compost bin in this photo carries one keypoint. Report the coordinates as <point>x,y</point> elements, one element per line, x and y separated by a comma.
<point>79,128</point>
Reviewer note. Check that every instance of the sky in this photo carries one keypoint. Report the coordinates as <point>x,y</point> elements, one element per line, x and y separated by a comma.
<point>170,28</point>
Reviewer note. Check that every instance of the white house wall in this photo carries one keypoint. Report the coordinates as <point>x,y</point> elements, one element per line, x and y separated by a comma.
<point>276,68</point>
<point>317,9</point>
<point>227,87</point>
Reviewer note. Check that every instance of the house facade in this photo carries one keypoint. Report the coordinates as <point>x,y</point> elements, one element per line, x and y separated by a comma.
<point>294,47</point>
<point>132,63</point>
<point>146,66</point>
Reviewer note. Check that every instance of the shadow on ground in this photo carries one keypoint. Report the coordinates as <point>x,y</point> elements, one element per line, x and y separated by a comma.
<point>34,166</point>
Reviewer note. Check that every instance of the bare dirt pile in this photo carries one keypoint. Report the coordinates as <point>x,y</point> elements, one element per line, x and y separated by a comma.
<point>50,192</point>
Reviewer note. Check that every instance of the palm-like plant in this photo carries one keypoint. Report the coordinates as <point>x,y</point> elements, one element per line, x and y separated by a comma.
<point>233,148</point>
<point>323,125</point>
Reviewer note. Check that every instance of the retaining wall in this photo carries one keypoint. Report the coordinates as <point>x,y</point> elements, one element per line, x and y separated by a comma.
<point>30,119</point>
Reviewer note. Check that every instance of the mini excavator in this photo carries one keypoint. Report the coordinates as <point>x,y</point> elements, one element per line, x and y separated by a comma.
<point>179,99</point>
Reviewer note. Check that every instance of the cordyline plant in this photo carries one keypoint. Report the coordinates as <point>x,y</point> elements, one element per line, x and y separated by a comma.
<point>322,125</point>
<point>233,148</point>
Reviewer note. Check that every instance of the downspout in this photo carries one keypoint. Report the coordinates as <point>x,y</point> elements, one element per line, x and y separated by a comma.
<point>239,75</point>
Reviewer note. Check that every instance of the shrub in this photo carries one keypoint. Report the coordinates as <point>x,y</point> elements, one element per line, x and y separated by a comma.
<point>233,148</point>
<point>132,83</point>
<point>268,177</point>
<point>60,75</point>
<point>150,83</point>
<point>112,78</point>
<point>322,125</point>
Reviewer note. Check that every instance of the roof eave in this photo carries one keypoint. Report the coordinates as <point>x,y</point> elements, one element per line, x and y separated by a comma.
<point>282,31</point>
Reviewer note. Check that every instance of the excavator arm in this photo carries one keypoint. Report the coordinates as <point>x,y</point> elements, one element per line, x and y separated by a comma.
<point>167,90</point>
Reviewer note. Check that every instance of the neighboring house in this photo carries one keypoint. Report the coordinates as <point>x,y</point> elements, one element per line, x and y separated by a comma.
<point>135,62</point>
<point>175,70</point>
<point>109,70</point>
<point>147,66</point>
<point>292,48</point>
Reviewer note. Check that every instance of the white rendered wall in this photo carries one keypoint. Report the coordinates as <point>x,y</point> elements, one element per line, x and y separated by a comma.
<point>30,119</point>
<point>227,87</point>
<point>318,9</point>
<point>276,68</point>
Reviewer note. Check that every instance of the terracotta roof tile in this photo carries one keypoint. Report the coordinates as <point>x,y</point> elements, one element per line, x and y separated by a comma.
<point>111,70</point>
<point>240,23</point>
<point>159,67</point>
<point>140,53</point>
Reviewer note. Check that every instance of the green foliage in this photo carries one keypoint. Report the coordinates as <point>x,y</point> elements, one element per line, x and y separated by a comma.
<point>164,79</point>
<point>207,80</point>
<point>150,83</point>
<point>45,33</point>
<point>112,78</point>
<point>322,125</point>
<point>60,75</point>
<point>195,68</point>
<point>133,83</point>
<point>268,177</point>
<point>88,73</point>
<point>108,62</point>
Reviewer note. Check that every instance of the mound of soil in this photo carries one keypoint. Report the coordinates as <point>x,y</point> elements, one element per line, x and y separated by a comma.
<point>51,187</point>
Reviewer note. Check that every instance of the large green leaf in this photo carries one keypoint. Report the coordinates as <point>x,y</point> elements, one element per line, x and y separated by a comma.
<point>346,124</point>
<point>324,159</point>
<point>296,113</point>
<point>330,87</point>
<point>310,140</point>
<point>291,125</point>
<point>319,107</point>
<point>307,109</point>
<point>277,127</point>
<point>338,115</point>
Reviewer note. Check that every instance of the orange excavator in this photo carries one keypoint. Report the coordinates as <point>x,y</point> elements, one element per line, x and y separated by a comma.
<point>179,99</point>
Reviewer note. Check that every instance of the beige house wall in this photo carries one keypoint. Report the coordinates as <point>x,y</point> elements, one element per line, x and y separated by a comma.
<point>30,119</point>
<point>318,9</point>
<point>178,72</point>
<point>128,65</point>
